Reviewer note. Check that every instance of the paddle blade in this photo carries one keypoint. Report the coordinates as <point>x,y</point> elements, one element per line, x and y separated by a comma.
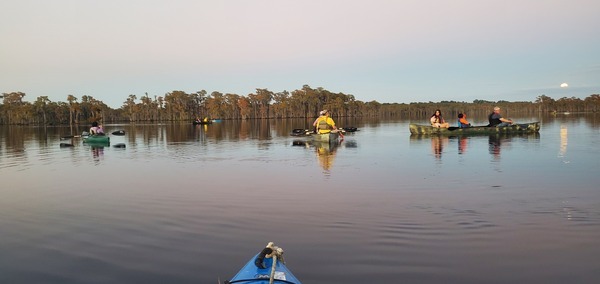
<point>120,145</point>
<point>119,132</point>
<point>350,129</point>
<point>70,137</point>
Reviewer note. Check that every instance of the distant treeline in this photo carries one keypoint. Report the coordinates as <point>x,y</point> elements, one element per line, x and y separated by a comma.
<point>263,104</point>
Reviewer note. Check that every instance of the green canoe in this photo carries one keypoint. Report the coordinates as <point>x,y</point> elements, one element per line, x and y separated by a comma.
<point>532,127</point>
<point>96,139</point>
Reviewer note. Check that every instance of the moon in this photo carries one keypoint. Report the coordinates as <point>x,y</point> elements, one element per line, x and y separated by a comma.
<point>564,85</point>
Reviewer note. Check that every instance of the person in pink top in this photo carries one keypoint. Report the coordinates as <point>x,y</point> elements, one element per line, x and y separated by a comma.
<point>438,121</point>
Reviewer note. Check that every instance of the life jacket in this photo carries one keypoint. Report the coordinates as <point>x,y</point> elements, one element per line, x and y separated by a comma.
<point>462,122</point>
<point>323,126</point>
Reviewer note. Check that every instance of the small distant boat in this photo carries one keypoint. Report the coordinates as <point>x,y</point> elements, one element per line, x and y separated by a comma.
<point>201,122</point>
<point>532,127</point>
<point>260,269</point>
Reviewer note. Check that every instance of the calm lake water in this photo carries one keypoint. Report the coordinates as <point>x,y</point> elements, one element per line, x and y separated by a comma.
<point>192,204</point>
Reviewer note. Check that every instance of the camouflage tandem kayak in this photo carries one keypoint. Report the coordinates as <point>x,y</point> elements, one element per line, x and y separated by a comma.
<point>532,127</point>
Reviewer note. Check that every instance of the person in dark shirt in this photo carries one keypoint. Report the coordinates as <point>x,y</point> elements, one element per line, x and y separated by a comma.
<point>496,119</point>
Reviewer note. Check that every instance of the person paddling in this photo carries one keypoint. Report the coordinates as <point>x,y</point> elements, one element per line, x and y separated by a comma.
<point>496,119</point>
<point>96,129</point>
<point>324,124</point>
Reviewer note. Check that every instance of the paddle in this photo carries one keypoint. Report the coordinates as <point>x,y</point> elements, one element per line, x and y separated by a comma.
<point>350,129</point>
<point>119,145</point>
<point>70,136</point>
<point>452,128</point>
<point>116,133</point>
<point>300,132</point>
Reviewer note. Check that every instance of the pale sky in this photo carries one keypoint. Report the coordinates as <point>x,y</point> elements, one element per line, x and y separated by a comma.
<point>390,51</point>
